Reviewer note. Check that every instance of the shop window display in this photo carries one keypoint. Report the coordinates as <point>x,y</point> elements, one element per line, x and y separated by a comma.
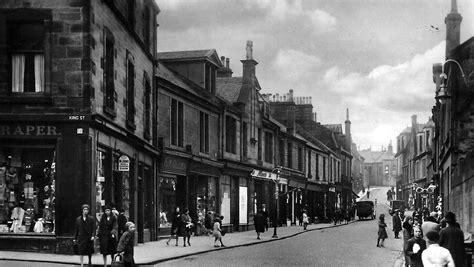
<point>27,190</point>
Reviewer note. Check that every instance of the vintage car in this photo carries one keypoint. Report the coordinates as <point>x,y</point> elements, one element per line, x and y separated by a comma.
<point>365,209</point>
<point>397,205</point>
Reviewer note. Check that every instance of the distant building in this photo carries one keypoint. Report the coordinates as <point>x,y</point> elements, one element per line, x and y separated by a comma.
<point>357,169</point>
<point>379,167</point>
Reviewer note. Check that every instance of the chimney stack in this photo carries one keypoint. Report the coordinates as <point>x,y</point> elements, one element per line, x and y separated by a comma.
<point>453,29</point>
<point>315,116</point>
<point>227,62</point>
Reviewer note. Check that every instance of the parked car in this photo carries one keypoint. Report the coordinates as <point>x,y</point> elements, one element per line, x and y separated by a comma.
<point>397,205</point>
<point>365,209</point>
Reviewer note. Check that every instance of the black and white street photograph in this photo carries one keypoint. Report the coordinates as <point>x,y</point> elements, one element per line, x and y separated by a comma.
<point>237,133</point>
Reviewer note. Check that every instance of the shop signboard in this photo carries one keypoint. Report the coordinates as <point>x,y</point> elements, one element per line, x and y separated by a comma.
<point>264,175</point>
<point>124,163</point>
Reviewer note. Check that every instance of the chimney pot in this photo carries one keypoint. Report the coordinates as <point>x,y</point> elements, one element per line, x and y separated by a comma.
<point>223,60</point>
<point>227,60</point>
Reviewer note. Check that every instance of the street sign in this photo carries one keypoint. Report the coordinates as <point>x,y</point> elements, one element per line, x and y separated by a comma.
<point>124,164</point>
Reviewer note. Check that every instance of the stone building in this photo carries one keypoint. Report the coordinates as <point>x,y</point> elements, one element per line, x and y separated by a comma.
<point>379,167</point>
<point>76,117</point>
<point>453,146</point>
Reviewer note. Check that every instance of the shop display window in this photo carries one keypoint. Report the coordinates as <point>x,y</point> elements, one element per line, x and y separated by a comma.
<point>27,190</point>
<point>206,197</point>
<point>167,200</point>
<point>225,199</point>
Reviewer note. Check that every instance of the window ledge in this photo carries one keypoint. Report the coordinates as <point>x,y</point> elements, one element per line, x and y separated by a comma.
<point>109,111</point>
<point>131,125</point>
<point>26,99</point>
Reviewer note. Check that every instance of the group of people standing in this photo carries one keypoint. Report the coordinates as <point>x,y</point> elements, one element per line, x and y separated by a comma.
<point>182,225</point>
<point>428,241</point>
<point>115,235</point>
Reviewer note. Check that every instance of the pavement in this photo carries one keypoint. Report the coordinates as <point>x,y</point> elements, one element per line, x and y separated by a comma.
<point>151,253</point>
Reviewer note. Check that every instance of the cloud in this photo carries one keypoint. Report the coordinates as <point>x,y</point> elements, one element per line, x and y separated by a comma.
<point>295,65</point>
<point>294,13</point>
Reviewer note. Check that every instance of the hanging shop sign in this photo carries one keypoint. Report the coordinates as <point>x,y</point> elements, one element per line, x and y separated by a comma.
<point>124,163</point>
<point>264,175</point>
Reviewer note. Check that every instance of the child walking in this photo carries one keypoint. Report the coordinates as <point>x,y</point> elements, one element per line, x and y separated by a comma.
<point>382,234</point>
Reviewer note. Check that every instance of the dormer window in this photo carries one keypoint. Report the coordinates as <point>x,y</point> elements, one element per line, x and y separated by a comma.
<point>210,78</point>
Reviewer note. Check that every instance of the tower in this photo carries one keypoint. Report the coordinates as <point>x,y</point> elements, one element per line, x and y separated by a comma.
<point>453,29</point>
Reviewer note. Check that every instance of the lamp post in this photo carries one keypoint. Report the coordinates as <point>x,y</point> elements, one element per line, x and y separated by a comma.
<point>277,192</point>
<point>443,95</point>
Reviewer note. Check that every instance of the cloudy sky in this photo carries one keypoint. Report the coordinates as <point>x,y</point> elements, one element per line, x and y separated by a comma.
<point>371,56</point>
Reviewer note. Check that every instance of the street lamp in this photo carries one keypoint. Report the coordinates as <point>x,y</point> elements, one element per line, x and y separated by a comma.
<point>443,95</point>
<point>277,192</point>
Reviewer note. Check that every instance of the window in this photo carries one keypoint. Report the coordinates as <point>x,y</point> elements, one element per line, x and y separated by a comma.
<point>282,151</point>
<point>300,158</point>
<point>27,56</point>
<point>203,132</point>
<point>177,123</point>
<point>268,147</point>
<point>324,169</point>
<point>289,159</point>
<point>210,78</point>
<point>231,133</point>
<point>259,144</point>
<point>130,92</point>
<point>108,65</point>
<point>420,143</point>
<point>146,28</point>
<point>147,108</point>
<point>244,139</point>
<point>309,162</point>
<point>27,186</point>
<point>317,168</point>
<point>131,12</point>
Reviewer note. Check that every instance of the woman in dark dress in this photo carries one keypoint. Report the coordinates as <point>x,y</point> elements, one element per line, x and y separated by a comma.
<point>259,223</point>
<point>185,227</point>
<point>84,237</point>
<point>175,218</point>
<point>107,233</point>
<point>382,233</point>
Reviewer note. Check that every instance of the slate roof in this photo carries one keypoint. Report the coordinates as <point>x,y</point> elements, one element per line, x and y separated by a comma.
<point>229,88</point>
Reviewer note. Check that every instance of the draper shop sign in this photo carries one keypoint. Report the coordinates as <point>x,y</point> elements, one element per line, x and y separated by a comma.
<point>124,164</point>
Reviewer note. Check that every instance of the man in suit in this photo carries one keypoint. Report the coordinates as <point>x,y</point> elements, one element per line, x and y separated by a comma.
<point>397,223</point>
<point>452,238</point>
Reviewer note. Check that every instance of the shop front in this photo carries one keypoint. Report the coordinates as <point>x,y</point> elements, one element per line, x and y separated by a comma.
<point>235,180</point>
<point>262,194</point>
<point>171,189</point>
<point>42,170</point>
<point>314,201</point>
<point>296,189</point>
<point>208,192</point>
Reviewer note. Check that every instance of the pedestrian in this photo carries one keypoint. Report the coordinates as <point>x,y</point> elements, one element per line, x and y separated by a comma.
<point>208,222</point>
<point>452,238</point>
<point>84,237</point>
<point>305,220</point>
<point>430,224</point>
<point>265,216</point>
<point>107,234</point>
<point>185,227</point>
<point>175,222</point>
<point>217,232</point>
<point>382,233</point>
<point>389,195</point>
<point>126,243</point>
<point>259,223</point>
<point>415,247</point>
<point>121,221</point>
<point>397,223</point>
<point>435,255</point>
<point>407,234</point>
